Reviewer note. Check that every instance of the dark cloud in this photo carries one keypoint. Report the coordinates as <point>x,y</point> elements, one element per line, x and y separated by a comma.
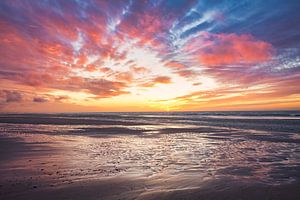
<point>39,100</point>
<point>10,96</point>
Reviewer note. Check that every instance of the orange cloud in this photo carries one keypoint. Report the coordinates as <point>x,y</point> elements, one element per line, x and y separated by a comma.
<point>82,59</point>
<point>124,76</point>
<point>196,84</point>
<point>139,70</point>
<point>91,68</point>
<point>162,79</point>
<point>157,80</point>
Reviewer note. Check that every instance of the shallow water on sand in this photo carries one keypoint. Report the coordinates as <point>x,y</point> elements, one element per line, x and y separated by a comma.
<point>41,151</point>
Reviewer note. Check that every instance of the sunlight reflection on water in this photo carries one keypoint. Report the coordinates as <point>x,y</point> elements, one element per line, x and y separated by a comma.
<point>84,151</point>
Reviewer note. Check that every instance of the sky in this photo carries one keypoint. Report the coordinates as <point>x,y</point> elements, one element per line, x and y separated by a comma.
<point>156,55</point>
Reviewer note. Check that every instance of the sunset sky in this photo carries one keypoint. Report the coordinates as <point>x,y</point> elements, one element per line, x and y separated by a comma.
<point>159,55</point>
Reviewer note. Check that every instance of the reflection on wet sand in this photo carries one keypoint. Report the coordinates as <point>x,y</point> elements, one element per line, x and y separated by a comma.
<point>168,159</point>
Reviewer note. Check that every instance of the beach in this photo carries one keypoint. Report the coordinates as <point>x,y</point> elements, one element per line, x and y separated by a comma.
<point>192,155</point>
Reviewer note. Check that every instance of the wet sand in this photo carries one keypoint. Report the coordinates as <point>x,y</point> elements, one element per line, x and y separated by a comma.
<point>146,160</point>
<point>121,187</point>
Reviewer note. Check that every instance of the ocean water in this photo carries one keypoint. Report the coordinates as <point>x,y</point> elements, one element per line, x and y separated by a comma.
<point>250,146</point>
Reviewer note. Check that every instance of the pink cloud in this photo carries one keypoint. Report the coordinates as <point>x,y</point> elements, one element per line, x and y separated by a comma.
<point>226,49</point>
<point>186,73</point>
<point>175,65</point>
